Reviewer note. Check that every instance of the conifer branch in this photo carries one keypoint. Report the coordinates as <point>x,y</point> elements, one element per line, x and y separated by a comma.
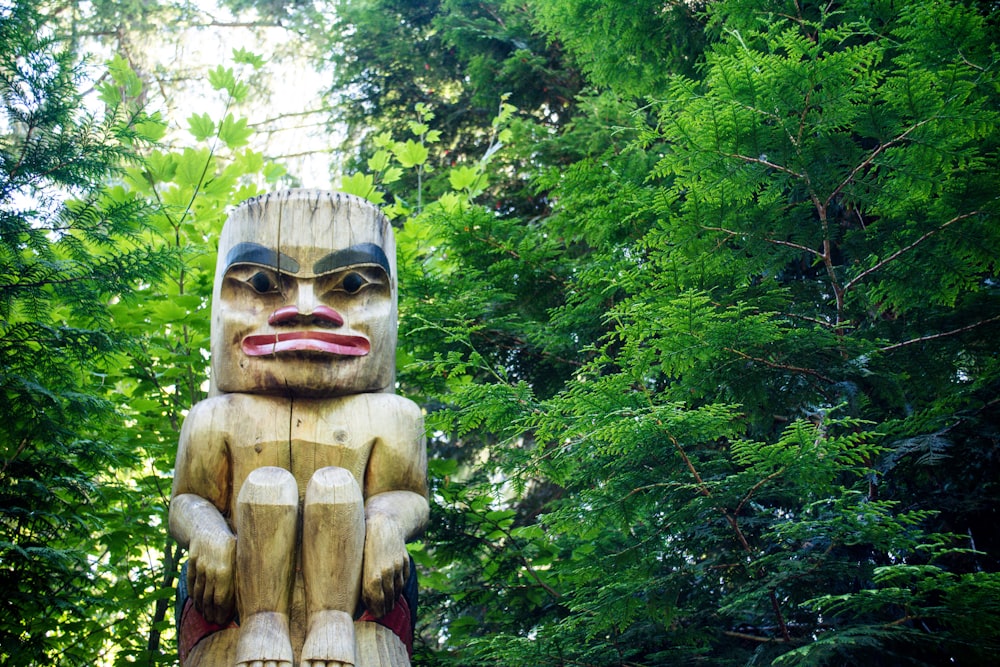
<point>553,593</point>
<point>797,246</point>
<point>707,493</point>
<point>489,240</point>
<point>778,615</point>
<point>864,274</point>
<point>733,522</point>
<point>782,367</point>
<point>753,489</point>
<point>878,150</point>
<point>943,334</point>
<point>765,162</point>
<point>752,638</point>
<point>789,244</point>
<point>806,318</point>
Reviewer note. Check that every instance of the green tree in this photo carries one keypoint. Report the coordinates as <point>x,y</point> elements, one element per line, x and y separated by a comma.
<point>706,334</point>
<point>71,243</point>
<point>108,264</point>
<point>731,399</point>
<point>457,57</point>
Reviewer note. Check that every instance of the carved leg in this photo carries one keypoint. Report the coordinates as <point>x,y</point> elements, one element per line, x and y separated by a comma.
<point>266,516</point>
<point>333,545</point>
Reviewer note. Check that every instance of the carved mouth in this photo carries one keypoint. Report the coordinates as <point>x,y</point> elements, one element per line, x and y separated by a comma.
<point>261,345</point>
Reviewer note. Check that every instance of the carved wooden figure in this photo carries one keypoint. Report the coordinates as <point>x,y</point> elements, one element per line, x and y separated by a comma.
<point>299,481</point>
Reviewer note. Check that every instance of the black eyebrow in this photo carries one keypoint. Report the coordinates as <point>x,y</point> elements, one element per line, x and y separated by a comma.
<point>363,253</point>
<point>254,253</point>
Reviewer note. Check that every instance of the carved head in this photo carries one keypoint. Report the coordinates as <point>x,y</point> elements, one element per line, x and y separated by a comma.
<point>305,297</point>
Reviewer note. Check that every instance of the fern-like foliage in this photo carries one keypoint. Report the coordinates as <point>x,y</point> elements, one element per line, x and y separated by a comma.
<point>70,244</point>
<point>733,399</point>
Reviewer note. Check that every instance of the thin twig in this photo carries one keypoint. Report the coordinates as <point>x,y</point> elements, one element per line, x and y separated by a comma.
<point>864,274</point>
<point>766,163</point>
<point>783,367</point>
<point>753,489</point>
<point>943,334</point>
<point>871,157</point>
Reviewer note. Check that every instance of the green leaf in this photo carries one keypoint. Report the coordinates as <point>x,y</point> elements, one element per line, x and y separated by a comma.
<point>379,161</point>
<point>391,175</point>
<point>273,172</point>
<point>424,112</point>
<point>161,167</point>
<point>361,185</point>
<point>222,78</point>
<point>383,140</point>
<point>417,128</point>
<point>125,77</point>
<point>234,131</point>
<point>201,126</point>
<point>451,202</point>
<point>192,166</point>
<point>245,57</point>
<point>463,178</point>
<point>151,128</point>
<point>411,153</point>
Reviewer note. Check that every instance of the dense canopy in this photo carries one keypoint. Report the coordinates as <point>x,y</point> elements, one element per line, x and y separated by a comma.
<point>701,300</point>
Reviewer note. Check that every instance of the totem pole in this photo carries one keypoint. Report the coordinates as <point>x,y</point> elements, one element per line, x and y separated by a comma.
<point>298,483</point>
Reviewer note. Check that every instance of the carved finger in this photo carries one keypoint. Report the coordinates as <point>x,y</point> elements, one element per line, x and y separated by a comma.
<point>376,606</point>
<point>388,593</point>
<point>197,586</point>
<point>209,610</point>
<point>397,583</point>
<point>192,575</point>
<point>376,601</point>
<point>222,600</point>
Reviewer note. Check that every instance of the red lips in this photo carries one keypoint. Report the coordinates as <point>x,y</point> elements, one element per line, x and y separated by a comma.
<point>310,341</point>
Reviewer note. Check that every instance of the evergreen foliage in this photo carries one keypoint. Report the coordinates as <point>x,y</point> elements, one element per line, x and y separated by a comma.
<point>70,245</point>
<point>730,398</point>
<point>108,265</point>
<point>700,299</point>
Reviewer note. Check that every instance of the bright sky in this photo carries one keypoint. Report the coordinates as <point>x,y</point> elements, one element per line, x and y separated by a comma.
<point>299,141</point>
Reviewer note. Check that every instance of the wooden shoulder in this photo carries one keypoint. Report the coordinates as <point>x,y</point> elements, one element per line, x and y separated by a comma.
<point>202,465</point>
<point>404,426</point>
<point>401,406</point>
<point>399,457</point>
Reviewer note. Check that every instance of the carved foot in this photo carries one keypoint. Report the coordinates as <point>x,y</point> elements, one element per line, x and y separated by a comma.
<point>330,641</point>
<point>264,641</point>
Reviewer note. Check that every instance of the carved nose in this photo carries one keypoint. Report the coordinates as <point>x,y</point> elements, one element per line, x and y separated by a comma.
<point>306,310</point>
<point>320,316</point>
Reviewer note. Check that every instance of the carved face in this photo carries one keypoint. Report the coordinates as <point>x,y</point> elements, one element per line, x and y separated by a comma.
<point>305,297</point>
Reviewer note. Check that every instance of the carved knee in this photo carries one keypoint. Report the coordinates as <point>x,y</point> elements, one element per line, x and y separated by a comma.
<point>333,486</point>
<point>269,486</point>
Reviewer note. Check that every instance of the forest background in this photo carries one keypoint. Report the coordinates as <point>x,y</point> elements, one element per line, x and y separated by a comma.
<point>701,300</point>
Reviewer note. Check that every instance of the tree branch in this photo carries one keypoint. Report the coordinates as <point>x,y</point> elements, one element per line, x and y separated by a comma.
<point>788,244</point>
<point>753,489</point>
<point>871,158</point>
<point>943,334</point>
<point>766,163</point>
<point>783,367</point>
<point>864,274</point>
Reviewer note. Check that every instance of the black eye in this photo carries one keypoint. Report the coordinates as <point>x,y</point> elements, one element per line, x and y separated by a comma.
<point>353,282</point>
<point>263,282</point>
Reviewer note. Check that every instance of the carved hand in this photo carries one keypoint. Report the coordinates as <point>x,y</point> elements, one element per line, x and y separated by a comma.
<point>386,564</point>
<point>211,580</point>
